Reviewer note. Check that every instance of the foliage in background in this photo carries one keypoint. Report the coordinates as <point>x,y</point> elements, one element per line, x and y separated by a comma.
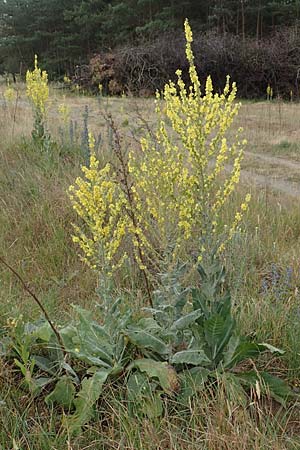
<point>67,34</point>
<point>142,68</point>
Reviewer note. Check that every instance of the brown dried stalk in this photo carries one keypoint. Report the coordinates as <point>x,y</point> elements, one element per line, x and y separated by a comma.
<point>38,302</point>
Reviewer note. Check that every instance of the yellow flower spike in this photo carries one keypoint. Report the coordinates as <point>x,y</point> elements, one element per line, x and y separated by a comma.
<point>64,112</point>
<point>67,80</point>
<point>92,146</point>
<point>37,87</point>
<point>10,94</point>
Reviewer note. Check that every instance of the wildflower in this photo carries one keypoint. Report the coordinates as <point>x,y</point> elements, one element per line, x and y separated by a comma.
<point>38,91</point>
<point>179,182</point>
<point>64,112</point>
<point>10,94</point>
<point>67,80</point>
<point>37,87</point>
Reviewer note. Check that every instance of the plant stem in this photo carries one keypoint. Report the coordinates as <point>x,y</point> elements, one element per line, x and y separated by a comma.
<point>125,182</point>
<point>38,302</point>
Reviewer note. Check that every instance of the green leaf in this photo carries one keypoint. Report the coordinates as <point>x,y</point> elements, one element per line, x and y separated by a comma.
<point>91,389</point>
<point>267,384</point>
<point>138,386</point>
<point>63,393</point>
<point>43,332</point>
<point>92,339</point>
<point>217,333</point>
<point>223,306</point>
<point>92,360</point>
<point>143,398</point>
<point>193,357</point>
<point>239,351</point>
<point>67,334</point>
<point>40,330</point>
<point>233,344</point>
<point>165,373</point>
<point>144,339</point>
<point>192,381</point>
<point>45,364</point>
<point>271,348</point>
<point>235,393</point>
<point>88,341</point>
<point>41,382</point>
<point>277,388</point>
<point>187,320</point>
<point>199,302</point>
<point>149,324</point>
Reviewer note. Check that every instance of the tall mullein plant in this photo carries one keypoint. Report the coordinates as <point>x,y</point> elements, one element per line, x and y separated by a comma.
<point>37,90</point>
<point>175,188</point>
<point>187,172</point>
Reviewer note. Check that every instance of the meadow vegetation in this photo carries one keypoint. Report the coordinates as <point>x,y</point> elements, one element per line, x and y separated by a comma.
<point>182,331</point>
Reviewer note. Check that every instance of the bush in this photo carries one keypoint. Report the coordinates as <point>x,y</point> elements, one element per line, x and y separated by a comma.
<point>252,64</point>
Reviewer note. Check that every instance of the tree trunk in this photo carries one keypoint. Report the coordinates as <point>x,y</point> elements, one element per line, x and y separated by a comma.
<point>243,19</point>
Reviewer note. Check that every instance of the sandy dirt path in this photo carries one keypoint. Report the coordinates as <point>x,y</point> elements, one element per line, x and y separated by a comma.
<point>278,182</point>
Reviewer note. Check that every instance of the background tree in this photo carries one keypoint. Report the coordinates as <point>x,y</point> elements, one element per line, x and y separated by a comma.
<point>67,33</point>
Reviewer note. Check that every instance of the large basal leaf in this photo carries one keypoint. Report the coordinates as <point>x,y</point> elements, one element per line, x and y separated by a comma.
<point>63,393</point>
<point>184,322</point>
<point>165,373</point>
<point>199,302</point>
<point>144,339</point>
<point>235,393</point>
<point>40,330</point>
<point>143,397</point>
<point>46,364</point>
<point>138,386</point>
<point>93,338</point>
<point>85,356</point>
<point>68,335</point>
<point>277,388</point>
<point>217,333</point>
<point>84,347</point>
<point>192,381</point>
<point>223,306</point>
<point>88,341</point>
<point>91,389</point>
<point>149,324</point>
<point>267,384</point>
<point>238,351</point>
<point>193,357</point>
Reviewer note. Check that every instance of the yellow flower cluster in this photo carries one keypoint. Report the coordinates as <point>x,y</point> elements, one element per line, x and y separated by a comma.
<point>64,112</point>
<point>106,212</point>
<point>99,201</point>
<point>37,87</point>
<point>10,94</point>
<point>67,80</point>
<point>187,173</point>
<point>180,181</point>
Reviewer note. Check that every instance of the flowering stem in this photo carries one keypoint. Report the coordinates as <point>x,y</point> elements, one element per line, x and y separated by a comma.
<point>130,211</point>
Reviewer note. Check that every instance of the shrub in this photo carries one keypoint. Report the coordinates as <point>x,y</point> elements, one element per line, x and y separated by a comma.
<point>252,64</point>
